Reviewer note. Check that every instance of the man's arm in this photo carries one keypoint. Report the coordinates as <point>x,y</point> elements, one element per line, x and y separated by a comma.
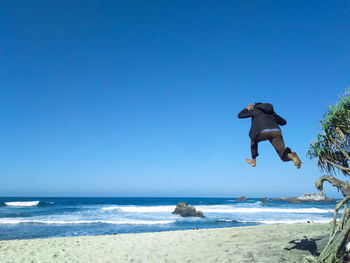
<point>246,112</point>
<point>279,119</point>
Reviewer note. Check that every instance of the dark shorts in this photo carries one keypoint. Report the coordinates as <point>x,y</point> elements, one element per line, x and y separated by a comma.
<point>276,139</point>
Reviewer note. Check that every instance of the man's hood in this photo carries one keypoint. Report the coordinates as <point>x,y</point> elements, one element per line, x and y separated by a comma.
<point>265,107</point>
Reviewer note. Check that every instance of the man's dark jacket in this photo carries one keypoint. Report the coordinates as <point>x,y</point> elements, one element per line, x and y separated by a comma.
<point>263,117</point>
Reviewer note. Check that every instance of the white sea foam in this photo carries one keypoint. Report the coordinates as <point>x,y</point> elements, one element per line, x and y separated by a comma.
<point>61,222</point>
<point>110,208</point>
<point>23,203</point>
<point>226,220</point>
<point>218,209</point>
<point>141,209</point>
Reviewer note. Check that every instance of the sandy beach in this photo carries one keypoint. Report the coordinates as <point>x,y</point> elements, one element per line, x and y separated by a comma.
<point>267,243</point>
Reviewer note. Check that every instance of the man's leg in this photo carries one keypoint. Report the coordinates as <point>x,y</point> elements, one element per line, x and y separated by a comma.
<point>254,148</point>
<point>284,152</point>
<point>254,151</point>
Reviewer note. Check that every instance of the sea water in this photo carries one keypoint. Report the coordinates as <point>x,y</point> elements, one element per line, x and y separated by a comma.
<point>23,218</point>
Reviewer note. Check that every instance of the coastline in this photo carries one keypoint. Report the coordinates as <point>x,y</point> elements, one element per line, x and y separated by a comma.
<point>263,243</point>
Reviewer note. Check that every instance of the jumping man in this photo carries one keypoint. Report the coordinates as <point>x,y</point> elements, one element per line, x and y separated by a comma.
<point>266,126</point>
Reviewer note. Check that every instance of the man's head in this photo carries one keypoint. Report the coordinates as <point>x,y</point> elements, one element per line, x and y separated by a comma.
<point>265,107</point>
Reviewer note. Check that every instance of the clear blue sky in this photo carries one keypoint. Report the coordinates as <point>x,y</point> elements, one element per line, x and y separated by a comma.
<point>140,98</point>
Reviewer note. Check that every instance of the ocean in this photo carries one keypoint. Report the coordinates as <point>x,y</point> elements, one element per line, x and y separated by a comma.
<point>26,218</point>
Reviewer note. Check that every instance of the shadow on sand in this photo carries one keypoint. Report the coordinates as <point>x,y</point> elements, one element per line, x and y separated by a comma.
<point>305,244</point>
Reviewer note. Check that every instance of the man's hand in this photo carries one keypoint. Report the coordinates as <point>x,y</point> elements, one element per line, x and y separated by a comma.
<point>250,106</point>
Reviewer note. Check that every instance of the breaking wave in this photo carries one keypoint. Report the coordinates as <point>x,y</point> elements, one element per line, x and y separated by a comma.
<point>22,203</point>
<point>62,222</point>
<point>27,203</point>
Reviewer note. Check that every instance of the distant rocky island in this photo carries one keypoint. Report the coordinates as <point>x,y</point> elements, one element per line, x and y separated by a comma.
<point>310,197</point>
<point>313,197</point>
<point>242,198</point>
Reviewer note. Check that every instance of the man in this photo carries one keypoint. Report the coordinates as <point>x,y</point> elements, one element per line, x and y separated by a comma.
<point>266,126</point>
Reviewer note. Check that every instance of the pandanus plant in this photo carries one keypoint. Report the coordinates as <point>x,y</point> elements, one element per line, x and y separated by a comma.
<point>332,150</point>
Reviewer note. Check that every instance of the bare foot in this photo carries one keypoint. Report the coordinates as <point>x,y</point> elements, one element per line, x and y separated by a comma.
<point>295,159</point>
<point>252,162</point>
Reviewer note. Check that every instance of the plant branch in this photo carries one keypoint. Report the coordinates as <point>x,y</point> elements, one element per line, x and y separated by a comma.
<point>336,211</point>
<point>339,148</point>
<point>337,166</point>
<point>342,186</point>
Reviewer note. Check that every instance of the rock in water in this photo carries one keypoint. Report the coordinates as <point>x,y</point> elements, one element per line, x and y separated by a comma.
<point>185,210</point>
<point>264,200</point>
<point>242,198</point>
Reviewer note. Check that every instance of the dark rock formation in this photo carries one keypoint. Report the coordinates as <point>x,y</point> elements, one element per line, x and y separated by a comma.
<point>292,200</point>
<point>264,200</point>
<point>185,210</point>
<point>315,197</point>
<point>242,198</point>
